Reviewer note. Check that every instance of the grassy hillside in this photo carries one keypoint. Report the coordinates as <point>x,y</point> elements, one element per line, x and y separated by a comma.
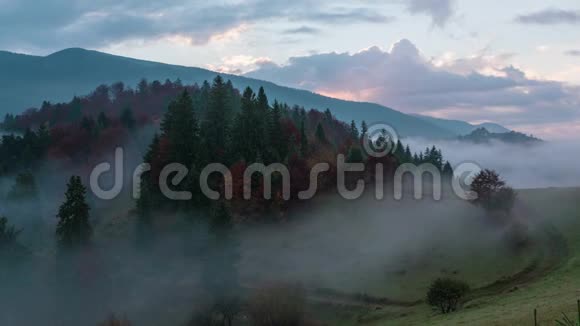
<point>551,294</point>
<point>26,81</point>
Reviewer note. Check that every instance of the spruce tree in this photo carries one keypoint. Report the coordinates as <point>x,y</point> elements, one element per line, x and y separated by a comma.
<point>216,129</point>
<point>354,134</point>
<point>364,129</point>
<point>180,128</point>
<point>320,135</point>
<point>276,135</point>
<point>74,228</point>
<point>328,115</point>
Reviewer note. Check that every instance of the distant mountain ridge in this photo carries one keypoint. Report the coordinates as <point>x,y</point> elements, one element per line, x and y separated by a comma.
<point>463,128</point>
<point>28,80</point>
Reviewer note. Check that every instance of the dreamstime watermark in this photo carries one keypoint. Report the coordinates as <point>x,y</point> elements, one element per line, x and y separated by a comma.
<point>381,140</point>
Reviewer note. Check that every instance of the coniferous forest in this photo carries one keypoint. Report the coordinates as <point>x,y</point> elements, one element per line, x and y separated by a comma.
<point>167,123</point>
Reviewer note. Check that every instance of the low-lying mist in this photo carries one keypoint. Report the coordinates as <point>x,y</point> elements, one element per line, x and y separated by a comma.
<point>381,248</point>
<point>546,164</point>
<point>360,246</point>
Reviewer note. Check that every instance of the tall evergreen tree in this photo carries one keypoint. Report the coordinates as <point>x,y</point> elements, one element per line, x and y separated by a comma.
<point>328,115</point>
<point>216,129</point>
<point>74,228</point>
<point>354,134</point>
<point>180,128</point>
<point>364,128</point>
<point>247,136</point>
<point>320,135</point>
<point>276,135</point>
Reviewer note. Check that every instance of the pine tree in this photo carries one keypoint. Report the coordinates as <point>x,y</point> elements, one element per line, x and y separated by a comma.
<point>74,228</point>
<point>180,128</point>
<point>260,122</point>
<point>447,170</point>
<point>328,115</point>
<point>320,135</point>
<point>216,129</point>
<point>276,135</point>
<point>245,132</point>
<point>143,86</point>
<point>354,134</point>
<point>408,154</point>
<point>364,131</point>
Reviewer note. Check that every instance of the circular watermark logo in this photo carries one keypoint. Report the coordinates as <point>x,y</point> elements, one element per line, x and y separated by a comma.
<point>381,140</point>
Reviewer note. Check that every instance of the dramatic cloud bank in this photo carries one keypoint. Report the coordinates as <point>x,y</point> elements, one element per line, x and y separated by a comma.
<point>55,24</point>
<point>479,88</point>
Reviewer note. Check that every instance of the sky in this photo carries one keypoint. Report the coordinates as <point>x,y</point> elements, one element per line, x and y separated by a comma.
<point>514,62</point>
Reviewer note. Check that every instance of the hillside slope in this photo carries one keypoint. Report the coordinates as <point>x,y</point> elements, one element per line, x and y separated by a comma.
<point>26,81</point>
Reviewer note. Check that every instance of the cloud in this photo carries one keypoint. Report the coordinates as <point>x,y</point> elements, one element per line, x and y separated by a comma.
<point>550,17</point>
<point>573,53</point>
<point>54,24</point>
<point>478,88</point>
<point>302,30</point>
<point>349,16</point>
<point>240,64</point>
<point>440,11</point>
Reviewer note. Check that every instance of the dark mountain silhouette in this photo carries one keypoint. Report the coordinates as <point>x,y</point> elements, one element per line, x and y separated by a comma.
<point>27,80</point>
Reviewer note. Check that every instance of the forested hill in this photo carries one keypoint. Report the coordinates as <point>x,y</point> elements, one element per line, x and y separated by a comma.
<point>26,81</point>
<point>482,136</point>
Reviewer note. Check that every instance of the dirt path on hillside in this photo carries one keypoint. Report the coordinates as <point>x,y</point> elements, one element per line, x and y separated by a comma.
<point>552,252</point>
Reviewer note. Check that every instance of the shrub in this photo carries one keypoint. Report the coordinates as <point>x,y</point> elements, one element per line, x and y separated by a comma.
<point>278,305</point>
<point>445,293</point>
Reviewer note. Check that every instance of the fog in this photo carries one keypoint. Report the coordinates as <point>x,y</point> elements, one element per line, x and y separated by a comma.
<point>382,248</point>
<point>361,246</point>
<point>547,164</point>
